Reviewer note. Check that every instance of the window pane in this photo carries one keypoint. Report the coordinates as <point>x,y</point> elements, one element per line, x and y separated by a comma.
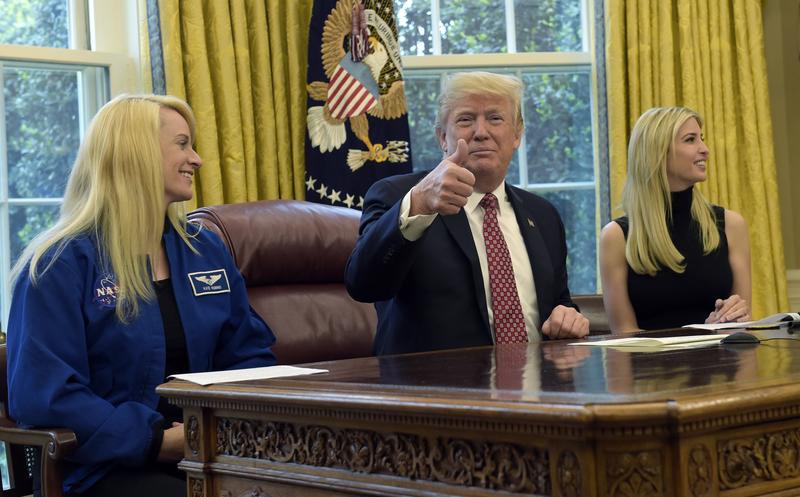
<point>26,222</point>
<point>512,175</point>
<point>473,26</point>
<point>558,127</point>
<point>422,91</point>
<point>42,23</point>
<point>548,25</point>
<point>414,27</point>
<point>577,209</point>
<point>42,129</point>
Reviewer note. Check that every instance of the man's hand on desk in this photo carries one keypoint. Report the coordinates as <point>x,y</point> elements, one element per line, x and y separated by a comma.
<point>565,359</point>
<point>565,322</point>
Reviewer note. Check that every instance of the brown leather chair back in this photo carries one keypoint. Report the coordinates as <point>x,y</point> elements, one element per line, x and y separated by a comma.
<point>292,255</point>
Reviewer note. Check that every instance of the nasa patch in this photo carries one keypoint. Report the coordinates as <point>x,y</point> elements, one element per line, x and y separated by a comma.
<point>105,292</point>
<point>209,282</point>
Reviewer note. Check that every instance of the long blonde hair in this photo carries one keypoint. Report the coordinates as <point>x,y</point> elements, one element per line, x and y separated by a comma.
<point>646,196</point>
<point>115,193</point>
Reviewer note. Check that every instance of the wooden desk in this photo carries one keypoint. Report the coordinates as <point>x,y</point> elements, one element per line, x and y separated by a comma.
<point>543,419</point>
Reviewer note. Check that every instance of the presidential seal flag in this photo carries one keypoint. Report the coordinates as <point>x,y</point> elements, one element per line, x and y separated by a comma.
<point>357,123</point>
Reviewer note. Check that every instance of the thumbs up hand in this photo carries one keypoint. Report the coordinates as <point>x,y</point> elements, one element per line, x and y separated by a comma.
<point>445,189</point>
<point>461,154</point>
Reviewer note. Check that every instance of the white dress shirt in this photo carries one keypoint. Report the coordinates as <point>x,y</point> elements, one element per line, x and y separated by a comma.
<point>412,228</point>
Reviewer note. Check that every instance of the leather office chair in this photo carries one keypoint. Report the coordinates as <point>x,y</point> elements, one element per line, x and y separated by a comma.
<point>53,444</point>
<point>292,255</point>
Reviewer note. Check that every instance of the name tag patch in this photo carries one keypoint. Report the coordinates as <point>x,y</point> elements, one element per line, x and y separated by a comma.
<point>209,282</point>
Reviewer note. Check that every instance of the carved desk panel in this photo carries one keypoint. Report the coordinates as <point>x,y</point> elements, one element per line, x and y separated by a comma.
<point>539,419</point>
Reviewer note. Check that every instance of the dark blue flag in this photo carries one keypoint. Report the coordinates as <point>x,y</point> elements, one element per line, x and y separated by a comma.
<point>357,122</point>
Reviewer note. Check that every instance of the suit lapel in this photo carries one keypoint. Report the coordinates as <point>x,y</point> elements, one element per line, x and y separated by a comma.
<point>537,250</point>
<point>458,227</point>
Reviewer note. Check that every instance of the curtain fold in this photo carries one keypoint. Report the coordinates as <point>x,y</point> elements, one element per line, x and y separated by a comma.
<point>241,66</point>
<point>707,55</point>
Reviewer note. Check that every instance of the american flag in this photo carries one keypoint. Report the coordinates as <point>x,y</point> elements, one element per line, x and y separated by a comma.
<point>352,89</point>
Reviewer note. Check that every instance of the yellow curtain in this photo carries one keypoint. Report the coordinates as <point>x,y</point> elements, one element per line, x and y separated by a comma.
<point>707,55</point>
<point>241,66</point>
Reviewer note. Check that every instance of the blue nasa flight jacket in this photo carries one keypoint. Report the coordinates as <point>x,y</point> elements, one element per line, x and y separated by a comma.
<point>72,363</point>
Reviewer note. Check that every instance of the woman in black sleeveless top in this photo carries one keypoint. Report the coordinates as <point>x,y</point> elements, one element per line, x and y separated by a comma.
<point>674,259</point>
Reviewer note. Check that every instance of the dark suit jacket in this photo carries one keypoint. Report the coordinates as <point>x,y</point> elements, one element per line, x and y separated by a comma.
<point>429,293</point>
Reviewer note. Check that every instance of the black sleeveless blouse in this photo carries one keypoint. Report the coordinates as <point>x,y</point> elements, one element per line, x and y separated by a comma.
<point>670,299</point>
<point>175,341</point>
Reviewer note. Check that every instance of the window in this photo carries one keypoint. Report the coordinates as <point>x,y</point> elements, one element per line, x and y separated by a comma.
<point>52,84</point>
<point>546,43</point>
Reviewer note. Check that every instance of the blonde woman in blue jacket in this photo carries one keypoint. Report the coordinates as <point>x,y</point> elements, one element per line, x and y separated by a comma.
<point>121,293</point>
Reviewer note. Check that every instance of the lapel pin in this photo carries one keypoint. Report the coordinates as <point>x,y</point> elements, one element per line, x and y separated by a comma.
<point>530,223</point>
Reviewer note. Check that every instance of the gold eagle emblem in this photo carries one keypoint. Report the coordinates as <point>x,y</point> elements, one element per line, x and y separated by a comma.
<point>356,88</point>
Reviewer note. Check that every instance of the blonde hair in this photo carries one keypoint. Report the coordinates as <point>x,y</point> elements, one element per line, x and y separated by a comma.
<point>646,196</point>
<point>463,84</point>
<point>115,192</point>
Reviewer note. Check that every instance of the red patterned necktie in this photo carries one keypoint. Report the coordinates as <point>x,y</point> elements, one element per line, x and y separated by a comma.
<point>509,323</point>
<point>510,361</point>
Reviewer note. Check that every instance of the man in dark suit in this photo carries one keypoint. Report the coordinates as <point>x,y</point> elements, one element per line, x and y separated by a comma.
<point>455,257</point>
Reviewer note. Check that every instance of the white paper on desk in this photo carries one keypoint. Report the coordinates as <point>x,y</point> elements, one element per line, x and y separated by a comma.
<point>266,373</point>
<point>719,326</point>
<point>656,342</point>
<point>782,318</point>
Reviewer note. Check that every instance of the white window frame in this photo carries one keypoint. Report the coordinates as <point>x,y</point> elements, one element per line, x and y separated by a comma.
<point>545,62</point>
<point>107,31</point>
